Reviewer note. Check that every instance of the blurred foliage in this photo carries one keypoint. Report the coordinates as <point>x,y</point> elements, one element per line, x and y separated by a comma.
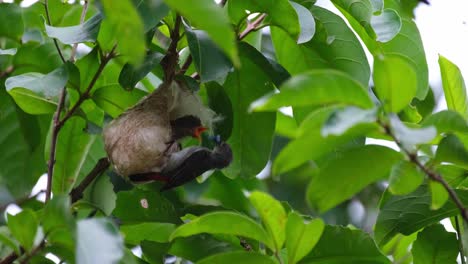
<point>303,187</point>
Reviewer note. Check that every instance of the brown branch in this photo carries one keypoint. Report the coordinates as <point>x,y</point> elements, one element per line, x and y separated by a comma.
<point>58,124</point>
<point>252,26</point>
<point>413,157</point>
<point>186,65</point>
<point>87,93</point>
<point>33,252</point>
<point>10,258</point>
<point>82,18</point>
<point>77,192</point>
<point>169,62</point>
<point>7,71</point>
<point>46,6</point>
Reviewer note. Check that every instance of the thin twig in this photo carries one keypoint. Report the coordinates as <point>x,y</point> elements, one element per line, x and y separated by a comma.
<point>33,252</point>
<point>87,93</point>
<point>413,157</point>
<point>252,26</point>
<point>46,6</point>
<point>460,241</point>
<point>10,258</point>
<point>186,65</point>
<point>82,18</point>
<point>100,167</point>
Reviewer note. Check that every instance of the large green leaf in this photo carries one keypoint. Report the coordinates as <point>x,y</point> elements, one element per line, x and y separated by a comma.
<point>273,216</point>
<point>22,136</point>
<point>301,237</point>
<point>36,93</point>
<point>349,173</point>
<point>198,247</point>
<point>209,60</point>
<point>227,223</point>
<point>405,177</point>
<point>334,46</point>
<point>316,87</point>
<point>157,232</point>
<point>101,192</point>
<point>395,81</point>
<point>207,16</point>
<point>151,12</point>
<point>238,257</point>
<point>31,56</point>
<point>409,213</point>
<point>73,147</point>
<point>252,133</point>
<point>131,75</point>
<point>339,245</point>
<point>57,214</point>
<point>123,26</point>
<point>12,21</point>
<point>435,245</point>
<point>23,227</point>
<point>98,241</point>
<point>146,206</point>
<point>454,87</point>
<point>311,143</point>
<point>451,149</point>
<point>86,32</point>
<point>446,121</point>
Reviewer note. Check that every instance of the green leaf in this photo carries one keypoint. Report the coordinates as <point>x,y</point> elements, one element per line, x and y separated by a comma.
<point>410,137</point>
<point>219,101</point>
<point>405,177</point>
<point>451,149</point>
<point>334,46</point>
<point>123,26</point>
<point>88,66</point>
<point>98,241</point>
<point>209,60</point>
<point>243,86</point>
<point>349,173</point>
<point>73,147</point>
<point>131,75</point>
<point>306,22</point>
<point>301,237</point>
<point>439,195</point>
<point>281,13</point>
<point>317,87</point>
<point>151,12</point>
<point>310,143</point>
<point>36,93</point>
<point>114,100</point>
<point>454,87</point>
<point>86,32</point>
<point>228,192</point>
<point>273,216</point>
<point>57,214</point>
<point>446,121</point>
<point>146,206</point>
<point>238,257</point>
<point>101,192</point>
<point>12,21</point>
<point>342,120</point>
<point>30,57</point>
<point>435,245</point>
<point>23,227</point>
<point>407,214</point>
<point>197,247</point>
<point>395,81</point>
<point>22,135</point>
<point>157,232</point>
<point>339,245</point>
<point>208,16</point>
<point>285,125</point>
<point>386,25</point>
<point>227,223</point>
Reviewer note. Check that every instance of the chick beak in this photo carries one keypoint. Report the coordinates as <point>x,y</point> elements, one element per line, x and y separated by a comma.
<point>198,131</point>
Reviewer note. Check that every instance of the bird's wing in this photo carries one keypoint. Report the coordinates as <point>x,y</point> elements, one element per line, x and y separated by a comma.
<point>192,166</point>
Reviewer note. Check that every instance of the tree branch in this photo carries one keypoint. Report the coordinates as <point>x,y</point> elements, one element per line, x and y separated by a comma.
<point>169,62</point>
<point>77,192</point>
<point>46,6</point>
<point>413,157</point>
<point>252,26</point>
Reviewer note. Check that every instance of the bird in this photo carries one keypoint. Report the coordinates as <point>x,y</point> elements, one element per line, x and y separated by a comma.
<point>142,138</point>
<point>187,164</point>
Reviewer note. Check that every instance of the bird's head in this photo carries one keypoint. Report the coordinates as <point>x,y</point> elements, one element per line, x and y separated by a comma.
<point>187,126</point>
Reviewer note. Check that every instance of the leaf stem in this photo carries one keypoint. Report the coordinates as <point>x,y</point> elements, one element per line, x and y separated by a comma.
<point>252,26</point>
<point>82,18</point>
<point>46,6</point>
<point>413,157</point>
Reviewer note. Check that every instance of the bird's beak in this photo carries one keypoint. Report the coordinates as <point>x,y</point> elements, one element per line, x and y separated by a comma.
<point>198,131</point>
